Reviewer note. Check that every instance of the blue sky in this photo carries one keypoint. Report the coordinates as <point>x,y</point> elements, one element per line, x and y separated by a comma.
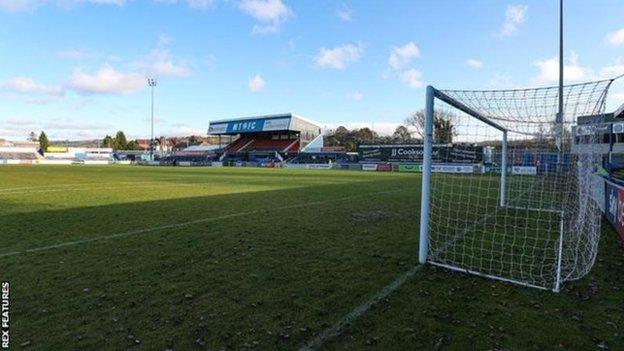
<point>77,68</point>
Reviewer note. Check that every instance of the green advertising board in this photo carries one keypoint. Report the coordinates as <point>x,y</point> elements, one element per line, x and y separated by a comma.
<point>493,169</point>
<point>410,168</point>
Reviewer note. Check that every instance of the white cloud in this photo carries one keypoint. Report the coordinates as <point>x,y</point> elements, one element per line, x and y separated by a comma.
<point>181,129</point>
<point>345,13</point>
<point>56,128</point>
<point>339,57</point>
<point>160,63</point>
<point>412,77</point>
<point>549,70</point>
<point>16,131</point>
<point>19,5</point>
<point>74,125</point>
<point>355,96</point>
<point>401,56</point>
<point>107,80</point>
<point>31,5</point>
<point>515,15</point>
<point>256,83</point>
<point>21,122</point>
<point>269,13</point>
<point>474,63</point>
<point>28,86</point>
<point>616,38</point>
<point>612,71</point>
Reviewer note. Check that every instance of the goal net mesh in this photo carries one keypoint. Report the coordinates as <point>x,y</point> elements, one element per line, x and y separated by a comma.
<point>516,231</point>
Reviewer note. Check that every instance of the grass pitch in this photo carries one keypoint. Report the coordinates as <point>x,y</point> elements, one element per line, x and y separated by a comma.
<point>231,258</point>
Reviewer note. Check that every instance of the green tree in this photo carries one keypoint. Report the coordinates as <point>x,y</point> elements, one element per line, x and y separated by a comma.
<point>194,140</point>
<point>132,145</point>
<point>121,143</point>
<point>108,141</point>
<point>365,136</point>
<point>350,139</point>
<point>43,141</point>
<point>32,136</point>
<point>336,137</point>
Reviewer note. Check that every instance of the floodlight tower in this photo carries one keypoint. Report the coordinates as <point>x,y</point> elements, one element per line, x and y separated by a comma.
<point>152,83</point>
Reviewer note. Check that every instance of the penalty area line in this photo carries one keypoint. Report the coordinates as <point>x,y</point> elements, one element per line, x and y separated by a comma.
<point>359,311</point>
<point>197,221</point>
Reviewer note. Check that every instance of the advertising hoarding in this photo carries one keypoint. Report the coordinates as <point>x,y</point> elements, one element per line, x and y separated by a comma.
<point>458,153</point>
<point>410,168</point>
<point>524,170</point>
<point>615,207</point>
<point>369,167</point>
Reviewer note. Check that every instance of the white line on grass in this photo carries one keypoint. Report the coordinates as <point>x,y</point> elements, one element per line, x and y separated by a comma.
<point>197,221</point>
<point>359,311</point>
<point>91,186</point>
<point>102,186</point>
<point>3,190</point>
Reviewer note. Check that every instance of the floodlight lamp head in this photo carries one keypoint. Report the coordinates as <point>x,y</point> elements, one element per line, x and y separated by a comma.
<point>151,82</point>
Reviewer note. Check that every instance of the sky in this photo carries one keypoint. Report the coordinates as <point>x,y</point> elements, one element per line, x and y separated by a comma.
<point>77,68</point>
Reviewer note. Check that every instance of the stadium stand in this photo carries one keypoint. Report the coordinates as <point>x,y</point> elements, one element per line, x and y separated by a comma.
<point>11,152</point>
<point>19,155</point>
<point>265,139</point>
<point>78,153</point>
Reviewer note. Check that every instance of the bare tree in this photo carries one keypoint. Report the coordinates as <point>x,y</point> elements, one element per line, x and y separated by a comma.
<point>401,135</point>
<point>444,123</point>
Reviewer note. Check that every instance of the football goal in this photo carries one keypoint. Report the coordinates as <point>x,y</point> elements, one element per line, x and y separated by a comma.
<point>519,207</point>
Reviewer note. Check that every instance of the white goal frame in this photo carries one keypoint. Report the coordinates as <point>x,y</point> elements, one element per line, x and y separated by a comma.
<point>424,245</point>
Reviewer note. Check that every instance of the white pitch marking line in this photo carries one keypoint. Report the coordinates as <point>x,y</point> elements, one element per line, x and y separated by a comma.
<point>139,185</point>
<point>197,221</point>
<point>359,311</point>
<point>38,187</point>
<point>92,186</point>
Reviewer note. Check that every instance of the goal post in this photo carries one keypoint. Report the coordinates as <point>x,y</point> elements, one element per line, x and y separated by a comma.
<point>426,176</point>
<point>503,196</point>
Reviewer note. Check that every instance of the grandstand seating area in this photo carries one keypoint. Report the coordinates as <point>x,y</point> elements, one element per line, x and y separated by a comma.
<point>19,155</point>
<point>258,144</point>
<point>279,145</point>
<point>238,145</point>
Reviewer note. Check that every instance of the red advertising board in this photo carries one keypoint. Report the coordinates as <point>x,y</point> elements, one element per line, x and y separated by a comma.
<point>384,167</point>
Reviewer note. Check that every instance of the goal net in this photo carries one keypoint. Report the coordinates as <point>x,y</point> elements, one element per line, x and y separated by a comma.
<point>503,195</point>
